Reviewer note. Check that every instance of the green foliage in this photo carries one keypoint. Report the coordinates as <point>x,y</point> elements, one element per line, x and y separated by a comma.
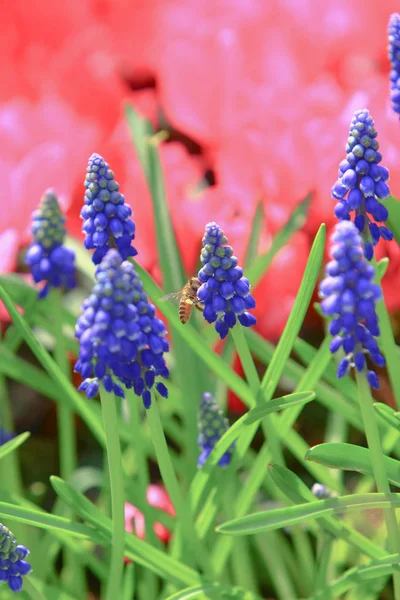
<point>250,531</point>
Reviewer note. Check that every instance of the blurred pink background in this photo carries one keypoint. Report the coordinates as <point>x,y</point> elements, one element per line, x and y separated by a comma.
<point>257,97</point>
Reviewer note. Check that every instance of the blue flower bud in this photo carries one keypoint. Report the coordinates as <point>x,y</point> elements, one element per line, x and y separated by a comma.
<point>48,260</point>
<point>361,184</point>
<point>394,57</point>
<point>107,222</point>
<point>349,295</point>
<point>13,565</point>
<point>224,292</point>
<point>212,425</point>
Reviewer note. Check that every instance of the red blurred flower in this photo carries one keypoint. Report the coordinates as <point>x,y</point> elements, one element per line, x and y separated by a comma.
<point>134,519</point>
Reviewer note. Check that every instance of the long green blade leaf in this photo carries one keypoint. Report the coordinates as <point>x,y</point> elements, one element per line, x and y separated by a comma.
<point>13,444</point>
<point>284,517</point>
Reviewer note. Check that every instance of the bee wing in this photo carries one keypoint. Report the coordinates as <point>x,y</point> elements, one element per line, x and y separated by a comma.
<point>174,296</point>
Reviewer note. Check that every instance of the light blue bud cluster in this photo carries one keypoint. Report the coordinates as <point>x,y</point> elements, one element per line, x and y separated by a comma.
<point>212,425</point>
<point>362,183</point>
<point>225,292</point>
<point>349,296</point>
<point>121,340</point>
<point>107,223</point>
<point>394,57</point>
<point>13,565</point>
<point>47,258</point>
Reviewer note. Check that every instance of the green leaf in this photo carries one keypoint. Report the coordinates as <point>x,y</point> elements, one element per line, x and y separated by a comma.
<point>351,458</point>
<point>296,490</point>
<point>297,315</point>
<point>393,222</point>
<point>13,444</point>
<point>363,573</point>
<point>18,289</point>
<point>168,252</point>
<point>214,591</point>
<point>382,266</point>
<point>387,414</point>
<point>201,481</point>
<point>285,517</point>
<point>76,401</point>
<point>140,552</point>
<point>255,234</point>
<point>297,219</point>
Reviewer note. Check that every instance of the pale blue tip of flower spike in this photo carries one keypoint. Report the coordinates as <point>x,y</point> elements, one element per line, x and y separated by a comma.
<point>394,57</point>
<point>361,185</point>
<point>211,425</point>
<point>106,216</point>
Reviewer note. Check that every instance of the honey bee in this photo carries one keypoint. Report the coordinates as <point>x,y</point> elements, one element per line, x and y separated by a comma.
<point>188,299</point>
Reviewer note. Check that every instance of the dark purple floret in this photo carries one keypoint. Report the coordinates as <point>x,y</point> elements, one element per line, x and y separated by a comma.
<point>107,223</point>
<point>13,565</point>
<point>212,425</point>
<point>349,296</point>
<point>122,343</point>
<point>394,57</point>
<point>362,183</point>
<point>225,292</point>
<point>47,258</point>
<point>5,436</point>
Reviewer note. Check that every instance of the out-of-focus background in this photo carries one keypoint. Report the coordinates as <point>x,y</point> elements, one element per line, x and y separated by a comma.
<point>256,98</point>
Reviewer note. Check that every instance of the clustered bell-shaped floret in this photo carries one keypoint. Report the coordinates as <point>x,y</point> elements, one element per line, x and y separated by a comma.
<point>225,292</point>
<point>47,258</point>
<point>107,223</point>
<point>121,340</point>
<point>394,57</point>
<point>349,296</point>
<point>13,565</point>
<point>362,183</point>
<point>211,425</point>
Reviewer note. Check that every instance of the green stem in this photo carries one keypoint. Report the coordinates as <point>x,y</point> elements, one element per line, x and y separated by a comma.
<point>172,486</point>
<point>254,382</point>
<point>325,551</point>
<point>378,467</point>
<point>114,458</point>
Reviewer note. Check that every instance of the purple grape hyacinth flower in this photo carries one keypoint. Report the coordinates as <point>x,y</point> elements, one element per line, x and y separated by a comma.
<point>362,183</point>
<point>225,292</point>
<point>107,223</point>
<point>13,565</point>
<point>121,340</point>
<point>394,57</point>
<point>212,425</point>
<point>47,258</point>
<point>349,296</point>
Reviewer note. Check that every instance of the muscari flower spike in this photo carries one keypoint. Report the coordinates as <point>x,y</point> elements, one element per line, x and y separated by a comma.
<point>107,222</point>
<point>349,296</point>
<point>224,292</point>
<point>5,436</point>
<point>13,565</point>
<point>394,57</point>
<point>212,425</point>
<point>362,183</point>
<point>121,340</point>
<point>47,258</point>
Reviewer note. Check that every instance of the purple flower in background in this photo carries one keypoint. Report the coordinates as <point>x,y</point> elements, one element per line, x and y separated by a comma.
<point>121,340</point>
<point>362,183</point>
<point>212,425</point>
<point>47,258</point>
<point>107,223</point>
<point>5,436</point>
<point>349,296</point>
<point>394,57</point>
<point>224,292</point>
<point>13,565</point>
